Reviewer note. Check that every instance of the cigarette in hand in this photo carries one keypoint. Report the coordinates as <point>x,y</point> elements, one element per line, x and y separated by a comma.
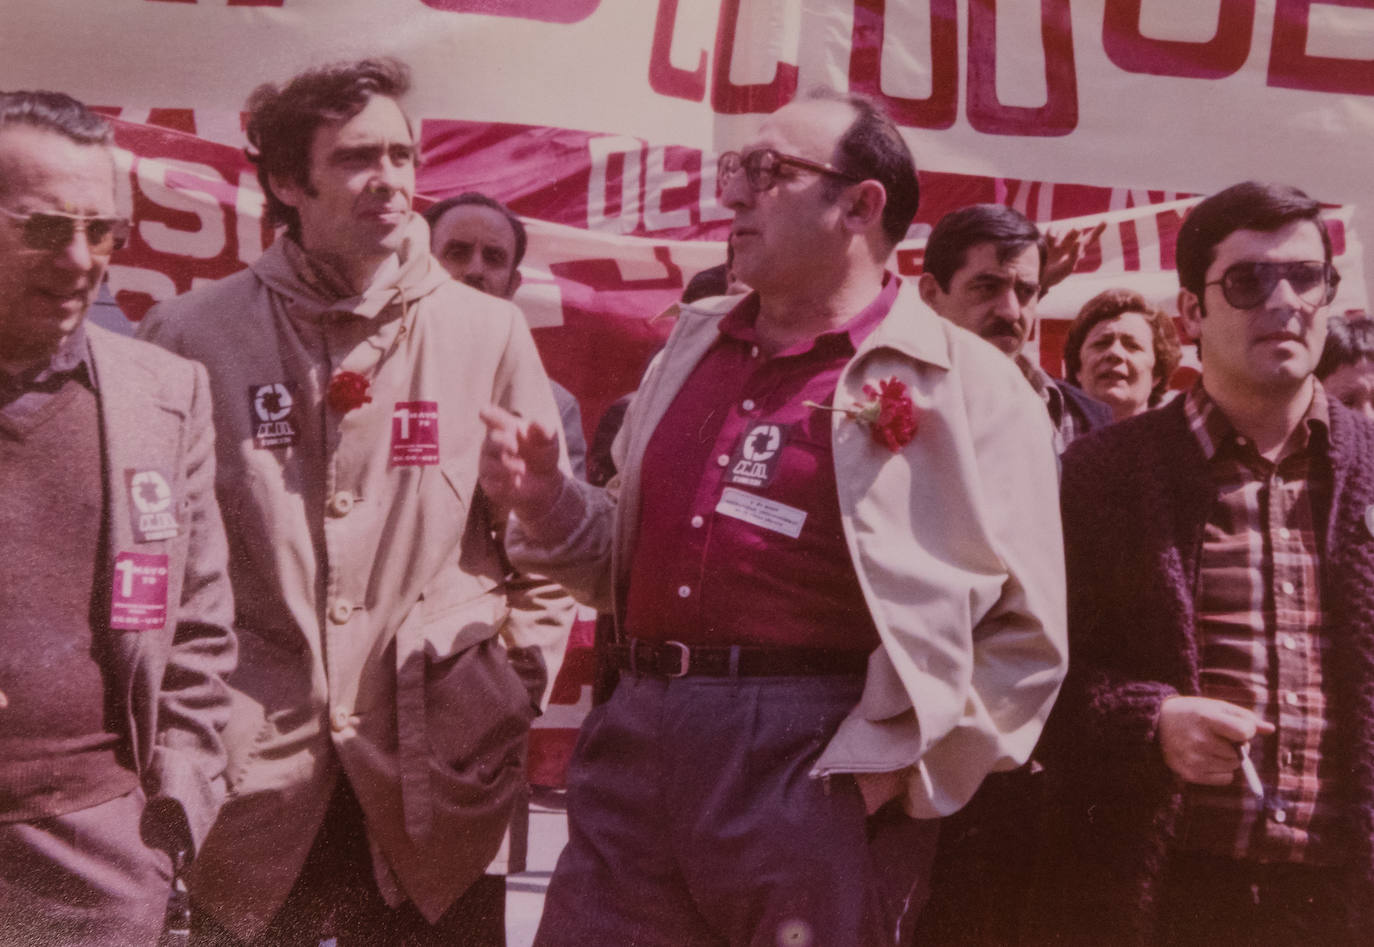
<point>1247,766</point>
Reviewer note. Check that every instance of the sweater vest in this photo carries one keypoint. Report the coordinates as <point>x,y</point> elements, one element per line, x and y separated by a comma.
<point>61,744</point>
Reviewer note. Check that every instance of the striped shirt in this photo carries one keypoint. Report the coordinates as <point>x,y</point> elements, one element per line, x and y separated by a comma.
<point>1262,641</point>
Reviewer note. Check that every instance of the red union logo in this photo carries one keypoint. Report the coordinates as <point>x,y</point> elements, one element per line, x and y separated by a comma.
<point>547,11</point>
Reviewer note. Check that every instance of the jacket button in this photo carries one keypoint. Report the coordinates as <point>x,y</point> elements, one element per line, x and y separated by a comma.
<point>339,719</point>
<point>341,503</point>
<point>340,611</point>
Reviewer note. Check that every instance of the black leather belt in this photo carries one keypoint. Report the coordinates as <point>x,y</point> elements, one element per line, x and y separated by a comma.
<point>669,659</point>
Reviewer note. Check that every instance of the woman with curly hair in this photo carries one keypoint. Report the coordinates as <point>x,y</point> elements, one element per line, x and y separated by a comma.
<point>1122,350</point>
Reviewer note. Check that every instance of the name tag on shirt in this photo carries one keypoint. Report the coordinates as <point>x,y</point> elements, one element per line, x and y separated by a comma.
<point>762,512</point>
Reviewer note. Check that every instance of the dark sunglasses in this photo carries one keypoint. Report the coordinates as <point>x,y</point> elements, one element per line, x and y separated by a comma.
<point>761,168</point>
<point>49,231</point>
<point>1247,285</point>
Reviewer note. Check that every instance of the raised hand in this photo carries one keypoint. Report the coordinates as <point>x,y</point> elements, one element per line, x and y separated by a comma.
<point>518,469</point>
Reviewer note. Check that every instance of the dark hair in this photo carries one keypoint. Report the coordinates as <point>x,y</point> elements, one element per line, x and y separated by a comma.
<point>1118,302</point>
<point>1349,340</point>
<point>1250,205</point>
<point>55,112</point>
<point>434,212</point>
<point>282,121</point>
<point>958,231</point>
<point>873,148</point>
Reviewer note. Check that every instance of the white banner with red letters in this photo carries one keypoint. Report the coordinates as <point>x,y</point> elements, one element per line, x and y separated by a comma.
<point>599,122</point>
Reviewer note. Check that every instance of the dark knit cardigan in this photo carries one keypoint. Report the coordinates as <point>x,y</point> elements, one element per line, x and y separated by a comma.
<point>1136,498</point>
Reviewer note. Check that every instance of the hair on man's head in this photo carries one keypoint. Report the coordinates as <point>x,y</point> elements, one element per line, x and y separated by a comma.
<point>1250,205</point>
<point>1010,231</point>
<point>873,148</point>
<point>282,120</point>
<point>435,212</point>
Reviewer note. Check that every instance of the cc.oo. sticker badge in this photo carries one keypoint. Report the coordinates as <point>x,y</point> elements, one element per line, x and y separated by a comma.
<point>272,410</point>
<point>152,510</point>
<point>757,456</point>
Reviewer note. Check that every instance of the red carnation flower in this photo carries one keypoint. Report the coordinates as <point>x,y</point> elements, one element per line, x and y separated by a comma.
<point>890,417</point>
<point>348,390</point>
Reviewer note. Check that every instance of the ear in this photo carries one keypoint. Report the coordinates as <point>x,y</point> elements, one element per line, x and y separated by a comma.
<point>930,291</point>
<point>866,203</point>
<point>286,190</point>
<point>1190,312</point>
<point>513,283</point>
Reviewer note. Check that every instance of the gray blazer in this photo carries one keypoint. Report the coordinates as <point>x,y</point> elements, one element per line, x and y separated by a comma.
<point>155,416</point>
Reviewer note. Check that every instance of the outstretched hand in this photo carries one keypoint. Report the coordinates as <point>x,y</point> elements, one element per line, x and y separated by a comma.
<point>1200,737</point>
<point>1064,251</point>
<point>518,470</point>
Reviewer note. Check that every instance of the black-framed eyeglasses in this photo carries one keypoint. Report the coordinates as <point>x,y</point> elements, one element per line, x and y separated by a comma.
<point>762,165</point>
<point>49,231</point>
<point>1247,285</point>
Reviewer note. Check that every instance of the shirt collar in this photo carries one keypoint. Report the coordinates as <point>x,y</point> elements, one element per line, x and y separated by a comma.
<point>1214,430</point>
<point>738,324</point>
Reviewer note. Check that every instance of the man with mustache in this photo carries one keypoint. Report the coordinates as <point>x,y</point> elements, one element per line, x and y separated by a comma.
<point>831,551</point>
<point>392,660</point>
<point>115,604</point>
<point>984,271</point>
<point>1212,755</point>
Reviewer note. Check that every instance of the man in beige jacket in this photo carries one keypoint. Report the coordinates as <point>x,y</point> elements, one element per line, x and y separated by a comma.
<point>835,558</point>
<point>391,658</point>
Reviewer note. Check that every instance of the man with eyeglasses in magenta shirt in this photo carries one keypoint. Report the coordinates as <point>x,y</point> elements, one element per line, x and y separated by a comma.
<point>832,552</point>
<point>1212,755</point>
<point>115,606</point>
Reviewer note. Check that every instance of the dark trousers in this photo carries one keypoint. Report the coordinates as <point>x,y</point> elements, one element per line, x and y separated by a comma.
<point>1208,901</point>
<point>336,896</point>
<point>83,878</point>
<point>693,821</point>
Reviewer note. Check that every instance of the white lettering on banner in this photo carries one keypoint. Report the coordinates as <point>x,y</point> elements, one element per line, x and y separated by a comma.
<point>142,281</point>
<point>661,185</point>
<point>657,180</point>
<point>250,206</point>
<point>166,182</point>
<point>711,209</point>
<point>602,148</point>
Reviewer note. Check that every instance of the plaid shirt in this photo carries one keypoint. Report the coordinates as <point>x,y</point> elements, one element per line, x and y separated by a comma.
<point>1067,425</point>
<point>1262,640</point>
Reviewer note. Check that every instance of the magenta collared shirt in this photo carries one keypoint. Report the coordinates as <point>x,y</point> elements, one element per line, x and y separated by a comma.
<point>740,539</point>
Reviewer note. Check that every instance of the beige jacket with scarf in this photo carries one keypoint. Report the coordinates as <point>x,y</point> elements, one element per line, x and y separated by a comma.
<point>377,615</point>
<point>956,542</point>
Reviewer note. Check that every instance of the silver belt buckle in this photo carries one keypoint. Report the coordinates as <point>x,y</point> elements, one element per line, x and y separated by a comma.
<point>686,660</point>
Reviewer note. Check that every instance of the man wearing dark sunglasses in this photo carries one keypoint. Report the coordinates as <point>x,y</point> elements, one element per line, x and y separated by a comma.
<point>115,607</point>
<point>1213,751</point>
<point>829,620</point>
